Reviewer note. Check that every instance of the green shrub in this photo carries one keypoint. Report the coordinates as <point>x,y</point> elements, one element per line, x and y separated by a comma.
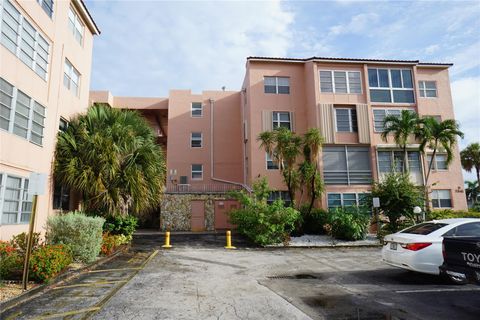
<point>314,222</point>
<point>120,225</point>
<point>11,261</point>
<point>20,241</point>
<point>82,233</point>
<point>48,260</point>
<point>349,223</point>
<point>448,213</point>
<point>111,242</point>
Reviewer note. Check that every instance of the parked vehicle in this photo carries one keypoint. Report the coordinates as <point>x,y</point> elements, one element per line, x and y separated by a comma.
<point>419,248</point>
<point>461,258</point>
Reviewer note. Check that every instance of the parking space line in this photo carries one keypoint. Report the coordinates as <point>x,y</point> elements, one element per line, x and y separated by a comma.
<point>91,284</point>
<point>112,270</point>
<point>437,290</point>
<point>68,313</point>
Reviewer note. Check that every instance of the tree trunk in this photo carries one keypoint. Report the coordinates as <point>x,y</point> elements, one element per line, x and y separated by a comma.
<point>405,158</point>
<point>312,200</point>
<point>430,165</point>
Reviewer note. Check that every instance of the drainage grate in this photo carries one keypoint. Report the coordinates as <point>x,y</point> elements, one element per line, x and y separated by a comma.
<point>295,276</point>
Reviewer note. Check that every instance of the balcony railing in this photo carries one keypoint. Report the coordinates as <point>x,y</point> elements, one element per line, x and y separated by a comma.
<point>202,188</point>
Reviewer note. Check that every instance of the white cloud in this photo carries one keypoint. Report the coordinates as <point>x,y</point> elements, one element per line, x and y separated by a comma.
<point>359,24</point>
<point>466,59</point>
<point>153,48</point>
<point>466,101</point>
<point>432,49</point>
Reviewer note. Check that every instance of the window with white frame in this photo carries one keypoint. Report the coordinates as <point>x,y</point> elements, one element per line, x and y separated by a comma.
<point>47,6</point>
<point>340,81</point>
<point>62,125</point>
<point>23,40</point>
<point>277,85</point>
<point>391,85</point>
<point>271,164</point>
<point>379,116</point>
<point>71,77</point>
<point>279,195</point>
<point>15,203</point>
<point>197,171</point>
<point>61,197</point>
<point>20,114</point>
<point>197,109</point>
<point>439,162</point>
<point>346,120</point>
<point>391,160</point>
<point>281,120</point>
<point>441,199</point>
<point>75,25</point>
<point>336,200</point>
<point>346,165</point>
<point>428,89</point>
<point>196,140</point>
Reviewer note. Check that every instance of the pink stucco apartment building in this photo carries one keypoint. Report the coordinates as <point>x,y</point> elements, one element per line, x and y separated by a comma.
<point>45,64</point>
<point>210,138</point>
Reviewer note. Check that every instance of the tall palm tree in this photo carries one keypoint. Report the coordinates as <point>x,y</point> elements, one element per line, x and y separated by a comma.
<point>110,157</point>
<point>472,191</point>
<point>312,143</point>
<point>401,127</point>
<point>283,146</point>
<point>470,158</point>
<point>434,134</point>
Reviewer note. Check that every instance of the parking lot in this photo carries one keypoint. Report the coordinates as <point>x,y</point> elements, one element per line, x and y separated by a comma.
<point>195,281</point>
<point>191,282</point>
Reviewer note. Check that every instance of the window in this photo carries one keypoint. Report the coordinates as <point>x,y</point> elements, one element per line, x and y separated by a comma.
<point>197,109</point>
<point>336,200</point>
<point>279,195</point>
<point>62,125</point>
<point>340,82</point>
<point>17,206</point>
<point>71,77</point>
<point>440,162</point>
<point>391,85</point>
<point>61,197</point>
<point>20,114</point>
<point>75,25</point>
<point>18,33</point>
<point>346,120</point>
<point>346,165</point>
<point>471,229</point>
<point>271,164</point>
<point>183,180</point>
<point>196,140</point>
<point>389,161</point>
<point>441,199</point>
<point>424,228</point>
<point>428,89</point>
<point>278,85</point>
<point>281,119</point>
<point>47,6</point>
<point>380,114</point>
<point>197,171</point>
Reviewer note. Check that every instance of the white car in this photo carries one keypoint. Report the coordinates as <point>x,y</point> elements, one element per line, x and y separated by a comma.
<point>419,248</point>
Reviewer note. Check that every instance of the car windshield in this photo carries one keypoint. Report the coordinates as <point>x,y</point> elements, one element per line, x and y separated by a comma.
<point>424,228</point>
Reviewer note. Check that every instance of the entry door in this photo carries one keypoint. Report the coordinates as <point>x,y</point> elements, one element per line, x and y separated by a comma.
<point>198,215</point>
<point>221,216</point>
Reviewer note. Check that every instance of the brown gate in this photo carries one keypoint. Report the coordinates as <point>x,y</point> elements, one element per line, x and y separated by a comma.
<point>221,216</point>
<point>198,215</point>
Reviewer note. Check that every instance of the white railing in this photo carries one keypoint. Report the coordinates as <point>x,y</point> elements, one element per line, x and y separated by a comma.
<point>202,188</point>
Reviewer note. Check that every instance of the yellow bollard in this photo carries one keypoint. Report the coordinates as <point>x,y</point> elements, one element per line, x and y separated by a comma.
<point>229,241</point>
<point>167,240</point>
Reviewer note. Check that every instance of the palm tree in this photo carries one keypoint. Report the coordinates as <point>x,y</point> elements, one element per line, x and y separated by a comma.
<point>284,147</point>
<point>434,134</point>
<point>470,158</point>
<point>402,127</point>
<point>110,157</point>
<point>472,191</point>
<point>312,142</point>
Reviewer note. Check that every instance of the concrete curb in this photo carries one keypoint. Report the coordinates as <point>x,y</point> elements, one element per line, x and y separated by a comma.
<point>59,279</point>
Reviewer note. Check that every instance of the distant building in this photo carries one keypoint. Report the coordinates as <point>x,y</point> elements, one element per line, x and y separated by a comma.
<point>211,138</point>
<point>45,64</point>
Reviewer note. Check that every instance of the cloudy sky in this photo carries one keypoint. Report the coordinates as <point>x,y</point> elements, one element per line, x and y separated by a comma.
<point>149,47</point>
